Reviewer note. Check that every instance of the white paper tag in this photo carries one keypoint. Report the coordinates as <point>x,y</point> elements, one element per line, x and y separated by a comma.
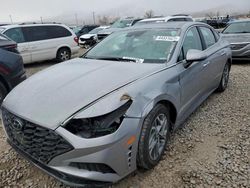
<point>167,38</point>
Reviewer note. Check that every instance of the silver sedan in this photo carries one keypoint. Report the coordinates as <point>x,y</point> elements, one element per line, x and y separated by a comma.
<point>237,34</point>
<point>95,119</point>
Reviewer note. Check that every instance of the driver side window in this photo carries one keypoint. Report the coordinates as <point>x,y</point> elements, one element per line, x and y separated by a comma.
<point>191,41</point>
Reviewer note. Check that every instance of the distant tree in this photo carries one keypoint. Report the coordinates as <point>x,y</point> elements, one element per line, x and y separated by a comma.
<point>218,14</point>
<point>107,20</point>
<point>210,15</point>
<point>149,14</point>
<point>103,20</point>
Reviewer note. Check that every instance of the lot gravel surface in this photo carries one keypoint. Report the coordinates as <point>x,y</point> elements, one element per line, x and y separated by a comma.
<point>212,149</point>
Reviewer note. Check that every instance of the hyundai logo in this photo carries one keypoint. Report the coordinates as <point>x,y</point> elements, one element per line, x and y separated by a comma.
<point>17,124</point>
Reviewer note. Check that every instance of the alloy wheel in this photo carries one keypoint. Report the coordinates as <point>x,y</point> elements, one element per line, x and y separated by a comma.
<point>225,76</point>
<point>64,55</point>
<point>157,136</point>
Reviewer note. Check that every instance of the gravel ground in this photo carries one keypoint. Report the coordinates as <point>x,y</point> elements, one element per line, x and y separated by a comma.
<point>210,150</point>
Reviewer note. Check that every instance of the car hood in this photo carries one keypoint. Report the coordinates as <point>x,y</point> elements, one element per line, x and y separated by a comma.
<point>87,36</point>
<point>108,31</point>
<point>236,38</point>
<point>53,95</point>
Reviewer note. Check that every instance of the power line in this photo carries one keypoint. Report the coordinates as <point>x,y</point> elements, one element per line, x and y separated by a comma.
<point>11,19</point>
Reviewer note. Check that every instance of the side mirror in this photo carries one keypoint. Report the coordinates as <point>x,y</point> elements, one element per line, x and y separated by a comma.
<point>194,55</point>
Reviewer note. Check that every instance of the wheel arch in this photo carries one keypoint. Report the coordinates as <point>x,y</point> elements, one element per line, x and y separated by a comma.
<point>62,47</point>
<point>167,103</point>
<point>230,61</point>
<point>172,110</point>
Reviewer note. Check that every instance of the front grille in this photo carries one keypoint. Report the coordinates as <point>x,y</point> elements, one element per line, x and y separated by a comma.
<point>96,167</point>
<point>40,143</point>
<point>238,46</point>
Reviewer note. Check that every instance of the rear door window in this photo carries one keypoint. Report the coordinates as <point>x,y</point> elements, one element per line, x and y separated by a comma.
<point>36,33</point>
<point>15,34</point>
<point>58,32</point>
<point>208,36</point>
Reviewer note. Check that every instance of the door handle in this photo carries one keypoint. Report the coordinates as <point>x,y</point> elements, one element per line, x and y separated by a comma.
<point>205,64</point>
<point>23,50</point>
<point>222,53</point>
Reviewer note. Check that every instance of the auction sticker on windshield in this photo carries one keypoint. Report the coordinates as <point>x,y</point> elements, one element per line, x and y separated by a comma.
<point>167,38</point>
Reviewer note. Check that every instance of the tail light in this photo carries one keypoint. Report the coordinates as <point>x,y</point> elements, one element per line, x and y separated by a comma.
<point>12,48</point>
<point>76,39</point>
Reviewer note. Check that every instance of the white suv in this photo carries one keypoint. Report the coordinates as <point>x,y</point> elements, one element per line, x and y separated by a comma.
<point>40,42</point>
<point>174,18</point>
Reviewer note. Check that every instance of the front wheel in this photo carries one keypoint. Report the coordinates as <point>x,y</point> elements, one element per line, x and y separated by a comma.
<point>63,54</point>
<point>224,79</point>
<point>154,136</point>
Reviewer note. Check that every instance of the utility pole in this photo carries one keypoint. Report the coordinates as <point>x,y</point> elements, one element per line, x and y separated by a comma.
<point>94,17</point>
<point>11,19</point>
<point>41,19</point>
<point>76,19</point>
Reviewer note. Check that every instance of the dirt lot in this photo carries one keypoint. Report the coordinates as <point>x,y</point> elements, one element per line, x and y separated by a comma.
<point>211,150</point>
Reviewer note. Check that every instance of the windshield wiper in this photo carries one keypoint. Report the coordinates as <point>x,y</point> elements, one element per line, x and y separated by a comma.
<point>116,59</point>
<point>126,59</point>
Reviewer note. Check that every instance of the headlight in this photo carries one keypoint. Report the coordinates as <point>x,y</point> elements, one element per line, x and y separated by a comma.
<point>98,126</point>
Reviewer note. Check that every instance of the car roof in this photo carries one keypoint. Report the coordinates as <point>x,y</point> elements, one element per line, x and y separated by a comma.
<point>240,21</point>
<point>169,25</point>
<point>165,18</point>
<point>28,25</point>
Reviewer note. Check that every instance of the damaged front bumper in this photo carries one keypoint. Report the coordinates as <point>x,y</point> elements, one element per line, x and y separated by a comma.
<point>91,162</point>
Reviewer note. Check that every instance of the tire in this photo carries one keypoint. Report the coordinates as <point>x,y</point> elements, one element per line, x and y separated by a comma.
<point>3,92</point>
<point>224,79</point>
<point>149,156</point>
<point>63,54</point>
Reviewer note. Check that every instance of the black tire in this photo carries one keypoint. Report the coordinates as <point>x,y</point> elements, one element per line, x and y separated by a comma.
<point>144,158</point>
<point>224,79</point>
<point>63,54</point>
<point>3,92</point>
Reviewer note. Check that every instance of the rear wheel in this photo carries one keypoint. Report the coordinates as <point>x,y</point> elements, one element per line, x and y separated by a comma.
<point>154,136</point>
<point>3,92</point>
<point>224,78</point>
<point>63,54</point>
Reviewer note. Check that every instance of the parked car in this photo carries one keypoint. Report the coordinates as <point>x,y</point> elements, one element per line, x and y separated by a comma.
<point>219,22</point>
<point>112,110</point>
<point>11,69</point>
<point>40,42</point>
<point>174,18</point>
<point>8,44</point>
<point>118,25</point>
<point>82,30</point>
<point>237,33</point>
<point>90,39</point>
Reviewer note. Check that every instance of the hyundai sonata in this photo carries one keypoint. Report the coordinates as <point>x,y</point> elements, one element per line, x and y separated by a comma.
<point>95,119</point>
<point>237,33</point>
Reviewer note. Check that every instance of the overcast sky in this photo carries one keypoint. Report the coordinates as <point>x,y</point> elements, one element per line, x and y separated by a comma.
<point>25,10</point>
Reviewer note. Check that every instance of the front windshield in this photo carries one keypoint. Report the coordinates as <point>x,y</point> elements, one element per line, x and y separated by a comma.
<point>240,27</point>
<point>142,45</point>
<point>121,24</point>
<point>77,29</point>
